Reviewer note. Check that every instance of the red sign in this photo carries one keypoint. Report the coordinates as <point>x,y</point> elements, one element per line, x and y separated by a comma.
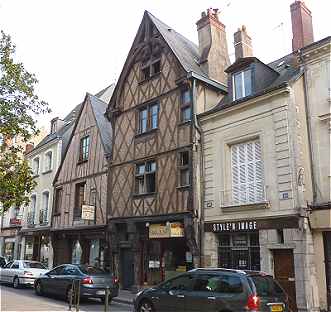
<point>15,221</point>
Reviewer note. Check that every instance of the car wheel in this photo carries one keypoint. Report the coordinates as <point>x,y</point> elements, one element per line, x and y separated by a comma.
<point>16,282</point>
<point>38,289</point>
<point>146,306</point>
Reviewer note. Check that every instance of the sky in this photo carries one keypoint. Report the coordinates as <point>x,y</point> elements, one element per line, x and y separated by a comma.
<point>79,46</point>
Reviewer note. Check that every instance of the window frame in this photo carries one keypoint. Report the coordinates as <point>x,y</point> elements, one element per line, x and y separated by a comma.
<point>184,106</point>
<point>58,200</point>
<point>35,170</point>
<point>45,209</point>
<point>149,66</point>
<point>77,213</point>
<point>149,118</point>
<point>48,161</point>
<point>138,176</point>
<point>84,154</point>
<point>243,84</point>
<point>182,168</point>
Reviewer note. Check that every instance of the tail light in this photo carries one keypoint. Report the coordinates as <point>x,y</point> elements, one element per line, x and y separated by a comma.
<point>115,280</point>
<point>87,281</point>
<point>27,273</point>
<point>253,303</point>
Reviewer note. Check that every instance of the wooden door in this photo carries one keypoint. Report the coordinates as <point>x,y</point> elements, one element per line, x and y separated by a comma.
<point>127,268</point>
<point>285,275</point>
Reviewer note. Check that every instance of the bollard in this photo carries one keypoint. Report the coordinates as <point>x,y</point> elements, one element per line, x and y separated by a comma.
<point>78,295</point>
<point>72,292</point>
<point>107,292</point>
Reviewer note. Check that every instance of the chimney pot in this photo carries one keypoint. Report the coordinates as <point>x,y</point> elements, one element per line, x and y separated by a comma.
<point>29,147</point>
<point>302,25</point>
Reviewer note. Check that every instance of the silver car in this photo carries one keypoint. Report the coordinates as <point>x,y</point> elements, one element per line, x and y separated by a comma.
<point>21,272</point>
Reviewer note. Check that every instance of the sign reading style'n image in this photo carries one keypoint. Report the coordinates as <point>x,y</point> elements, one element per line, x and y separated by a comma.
<point>88,212</point>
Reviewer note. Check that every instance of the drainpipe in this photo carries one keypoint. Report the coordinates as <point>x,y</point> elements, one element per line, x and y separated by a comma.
<point>308,115</point>
<point>199,130</point>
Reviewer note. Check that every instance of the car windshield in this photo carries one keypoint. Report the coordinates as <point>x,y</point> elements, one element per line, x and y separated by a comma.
<point>91,270</point>
<point>266,286</point>
<point>33,265</point>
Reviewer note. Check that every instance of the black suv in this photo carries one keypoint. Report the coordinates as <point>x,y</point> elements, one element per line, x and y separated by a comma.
<point>214,290</point>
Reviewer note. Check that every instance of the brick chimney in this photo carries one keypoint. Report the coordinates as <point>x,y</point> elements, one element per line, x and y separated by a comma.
<point>242,43</point>
<point>28,147</point>
<point>302,26</point>
<point>213,49</point>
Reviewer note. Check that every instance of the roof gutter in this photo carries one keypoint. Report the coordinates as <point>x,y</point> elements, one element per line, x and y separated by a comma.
<point>217,85</point>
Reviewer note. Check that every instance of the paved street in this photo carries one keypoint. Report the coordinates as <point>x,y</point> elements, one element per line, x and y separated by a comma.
<point>25,300</point>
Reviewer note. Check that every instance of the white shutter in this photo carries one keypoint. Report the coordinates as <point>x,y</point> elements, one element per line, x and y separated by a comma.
<point>247,173</point>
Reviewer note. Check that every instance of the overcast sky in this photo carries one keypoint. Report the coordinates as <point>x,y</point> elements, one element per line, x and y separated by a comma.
<point>79,46</point>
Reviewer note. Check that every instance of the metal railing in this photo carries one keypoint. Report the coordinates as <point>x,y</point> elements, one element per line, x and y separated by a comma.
<point>30,219</point>
<point>244,195</point>
<point>43,217</point>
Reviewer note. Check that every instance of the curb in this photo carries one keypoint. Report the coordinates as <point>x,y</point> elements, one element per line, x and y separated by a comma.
<point>122,300</point>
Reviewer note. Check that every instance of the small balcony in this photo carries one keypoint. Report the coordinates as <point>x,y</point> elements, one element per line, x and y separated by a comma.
<point>246,196</point>
<point>14,222</point>
<point>30,220</point>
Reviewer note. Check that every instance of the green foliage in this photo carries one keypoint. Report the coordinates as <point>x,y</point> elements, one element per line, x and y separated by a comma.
<point>19,106</point>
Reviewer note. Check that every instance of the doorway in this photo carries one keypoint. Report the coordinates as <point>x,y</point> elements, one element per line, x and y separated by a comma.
<point>127,268</point>
<point>285,275</point>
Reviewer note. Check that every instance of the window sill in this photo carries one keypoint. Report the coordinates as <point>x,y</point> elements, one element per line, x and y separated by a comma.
<point>183,187</point>
<point>35,176</point>
<point>56,214</point>
<point>149,78</point>
<point>149,132</point>
<point>80,162</point>
<point>248,206</point>
<point>48,171</point>
<point>184,123</point>
<point>144,195</point>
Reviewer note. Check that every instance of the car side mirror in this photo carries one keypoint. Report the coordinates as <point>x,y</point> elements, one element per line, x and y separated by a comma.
<point>171,292</point>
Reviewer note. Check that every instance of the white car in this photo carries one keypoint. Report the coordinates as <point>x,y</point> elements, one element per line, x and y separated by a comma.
<point>21,272</point>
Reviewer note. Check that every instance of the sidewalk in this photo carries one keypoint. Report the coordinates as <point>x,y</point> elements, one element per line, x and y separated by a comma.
<point>124,296</point>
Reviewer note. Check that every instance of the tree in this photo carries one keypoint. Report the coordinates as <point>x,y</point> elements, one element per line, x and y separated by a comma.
<point>19,107</point>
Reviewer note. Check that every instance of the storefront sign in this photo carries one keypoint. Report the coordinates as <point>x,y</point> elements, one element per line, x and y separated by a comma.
<point>252,225</point>
<point>175,229</point>
<point>88,212</point>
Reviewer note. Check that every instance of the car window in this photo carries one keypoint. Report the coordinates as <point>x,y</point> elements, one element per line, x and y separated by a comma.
<point>218,283</point>
<point>70,270</point>
<point>91,270</point>
<point>33,265</point>
<point>15,265</point>
<point>8,265</point>
<point>2,262</point>
<point>266,286</point>
<point>57,271</point>
<point>179,283</point>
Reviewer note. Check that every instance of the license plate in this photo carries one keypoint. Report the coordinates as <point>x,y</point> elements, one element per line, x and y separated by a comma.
<point>277,308</point>
<point>101,292</point>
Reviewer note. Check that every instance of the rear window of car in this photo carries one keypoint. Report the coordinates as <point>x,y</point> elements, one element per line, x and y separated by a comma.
<point>91,270</point>
<point>266,286</point>
<point>33,265</point>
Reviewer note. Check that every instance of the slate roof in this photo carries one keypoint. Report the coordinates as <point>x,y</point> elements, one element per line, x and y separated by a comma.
<point>287,72</point>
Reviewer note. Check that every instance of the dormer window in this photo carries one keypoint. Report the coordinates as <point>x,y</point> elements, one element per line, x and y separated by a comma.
<point>53,126</point>
<point>242,84</point>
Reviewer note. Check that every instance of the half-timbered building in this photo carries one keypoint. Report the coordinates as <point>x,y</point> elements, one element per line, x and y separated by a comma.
<point>153,204</point>
<point>80,186</point>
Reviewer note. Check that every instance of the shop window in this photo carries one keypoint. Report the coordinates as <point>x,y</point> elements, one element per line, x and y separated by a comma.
<point>242,84</point>
<point>48,161</point>
<point>184,168</point>
<point>77,252</point>
<point>79,199</point>
<point>148,118</point>
<point>58,200</point>
<point>145,178</point>
<point>186,105</point>
<point>84,148</point>
<point>247,173</point>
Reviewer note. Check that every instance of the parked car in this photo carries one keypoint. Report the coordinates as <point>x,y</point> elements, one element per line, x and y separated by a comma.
<point>3,261</point>
<point>21,272</point>
<point>214,290</point>
<point>93,282</point>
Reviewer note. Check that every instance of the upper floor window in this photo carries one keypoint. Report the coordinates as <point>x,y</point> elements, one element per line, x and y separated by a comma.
<point>53,126</point>
<point>84,148</point>
<point>48,161</point>
<point>58,200</point>
<point>247,173</point>
<point>35,166</point>
<point>43,217</point>
<point>184,169</point>
<point>150,69</point>
<point>242,84</point>
<point>186,105</point>
<point>32,211</point>
<point>145,177</point>
<point>79,199</point>
<point>148,118</point>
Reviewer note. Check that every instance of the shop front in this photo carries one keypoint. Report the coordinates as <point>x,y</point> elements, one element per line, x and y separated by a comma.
<point>10,243</point>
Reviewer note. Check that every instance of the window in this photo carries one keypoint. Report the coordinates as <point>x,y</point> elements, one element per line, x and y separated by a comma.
<point>44,212</point>
<point>58,199</point>
<point>148,118</point>
<point>33,265</point>
<point>145,178</point>
<point>48,161</point>
<point>79,199</point>
<point>53,126</point>
<point>35,166</point>
<point>186,105</point>
<point>242,84</point>
<point>31,213</point>
<point>247,173</point>
<point>180,283</point>
<point>84,148</point>
<point>57,271</point>
<point>218,283</point>
<point>150,69</point>
<point>184,169</point>
<point>15,265</point>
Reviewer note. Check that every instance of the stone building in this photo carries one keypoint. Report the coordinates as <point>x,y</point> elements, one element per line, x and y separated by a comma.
<point>256,215</point>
